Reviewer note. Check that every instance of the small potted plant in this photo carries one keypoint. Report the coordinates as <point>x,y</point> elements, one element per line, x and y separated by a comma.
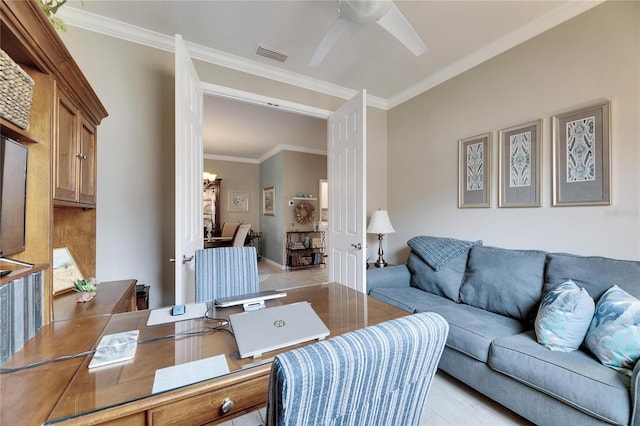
<point>86,289</point>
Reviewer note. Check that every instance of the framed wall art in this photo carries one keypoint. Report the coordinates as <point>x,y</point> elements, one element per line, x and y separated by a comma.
<point>238,201</point>
<point>519,165</point>
<point>65,270</point>
<point>269,201</point>
<point>581,157</point>
<point>474,171</point>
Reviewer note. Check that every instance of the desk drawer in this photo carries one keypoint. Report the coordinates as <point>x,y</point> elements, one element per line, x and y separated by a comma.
<point>208,406</point>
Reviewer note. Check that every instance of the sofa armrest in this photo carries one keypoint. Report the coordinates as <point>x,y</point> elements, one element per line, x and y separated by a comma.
<point>392,276</point>
<point>634,390</point>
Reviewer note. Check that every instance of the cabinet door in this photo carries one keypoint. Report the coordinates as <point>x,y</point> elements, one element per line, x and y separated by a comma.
<point>87,189</point>
<point>65,160</point>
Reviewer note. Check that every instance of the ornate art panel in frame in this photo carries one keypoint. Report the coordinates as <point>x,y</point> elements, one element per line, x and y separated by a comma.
<point>474,171</point>
<point>520,165</point>
<point>582,157</point>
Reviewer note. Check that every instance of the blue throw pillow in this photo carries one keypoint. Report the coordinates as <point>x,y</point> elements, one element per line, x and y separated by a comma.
<point>614,334</point>
<point>564,316</point>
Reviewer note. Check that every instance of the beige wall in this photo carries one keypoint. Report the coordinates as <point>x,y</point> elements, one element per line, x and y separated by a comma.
<point>135,230</point>
<point>237,176</point>
<point>594,56</point>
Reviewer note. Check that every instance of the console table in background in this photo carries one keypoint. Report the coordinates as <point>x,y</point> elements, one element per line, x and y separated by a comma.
<point>113,297</point>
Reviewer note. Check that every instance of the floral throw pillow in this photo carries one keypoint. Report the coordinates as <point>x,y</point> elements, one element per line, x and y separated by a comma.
<point>563,317</point>
<point>614,333</point>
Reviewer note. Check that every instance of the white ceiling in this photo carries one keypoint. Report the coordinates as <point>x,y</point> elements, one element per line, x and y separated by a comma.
<point>458,34</point>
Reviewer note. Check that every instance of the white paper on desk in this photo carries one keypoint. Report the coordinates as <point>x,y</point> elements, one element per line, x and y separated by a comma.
<point>163,315</point>
<point>190,372</point>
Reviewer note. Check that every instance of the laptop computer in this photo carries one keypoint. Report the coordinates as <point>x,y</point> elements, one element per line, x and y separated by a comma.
<point>269,329</point>
<point>249,301</point>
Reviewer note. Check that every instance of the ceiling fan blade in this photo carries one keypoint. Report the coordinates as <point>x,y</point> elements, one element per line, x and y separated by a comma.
<point>398,26</point>
<point>337,30</point>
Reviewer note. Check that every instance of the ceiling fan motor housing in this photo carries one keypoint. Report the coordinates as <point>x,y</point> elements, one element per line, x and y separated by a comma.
<point>363,11</point>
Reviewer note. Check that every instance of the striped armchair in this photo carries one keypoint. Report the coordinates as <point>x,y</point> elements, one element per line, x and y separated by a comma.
<point>226,272</point>
<point>379,375</point>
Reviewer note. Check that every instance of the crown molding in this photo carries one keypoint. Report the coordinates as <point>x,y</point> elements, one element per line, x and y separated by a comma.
<point>275,150</point>
<point>536,27</point>
<point>283,147</point>
<point>131,33</point>
<point>110,27</point>
<point>230,158</point>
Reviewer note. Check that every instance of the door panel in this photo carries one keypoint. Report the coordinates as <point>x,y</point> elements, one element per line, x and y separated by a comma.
<point>346,158</point>
<point>188,170</point>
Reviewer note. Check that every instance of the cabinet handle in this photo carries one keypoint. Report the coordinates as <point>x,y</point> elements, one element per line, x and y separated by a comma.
<point>82,156</point>
<point>227,405</point>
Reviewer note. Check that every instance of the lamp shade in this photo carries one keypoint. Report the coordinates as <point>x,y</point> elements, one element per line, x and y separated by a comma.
<point>380,223</point>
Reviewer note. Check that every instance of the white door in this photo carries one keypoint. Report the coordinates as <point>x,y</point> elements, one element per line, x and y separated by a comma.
<point>346,147</point>
<point>188,170</point>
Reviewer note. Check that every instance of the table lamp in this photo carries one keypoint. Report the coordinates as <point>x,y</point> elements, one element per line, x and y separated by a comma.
<point>380,225</point>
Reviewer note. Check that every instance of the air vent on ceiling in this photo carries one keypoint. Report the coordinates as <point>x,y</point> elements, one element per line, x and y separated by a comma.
<point>271,54</point>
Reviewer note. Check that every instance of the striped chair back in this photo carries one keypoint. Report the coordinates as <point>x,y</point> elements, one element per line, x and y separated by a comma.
<point>379,375</point>
<point>226,272</point>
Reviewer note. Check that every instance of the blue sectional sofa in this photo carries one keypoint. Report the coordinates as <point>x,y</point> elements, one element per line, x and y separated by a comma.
<point>490,297</point>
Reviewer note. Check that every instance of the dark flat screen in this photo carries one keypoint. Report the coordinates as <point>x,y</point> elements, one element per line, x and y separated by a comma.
<point>13,187</point>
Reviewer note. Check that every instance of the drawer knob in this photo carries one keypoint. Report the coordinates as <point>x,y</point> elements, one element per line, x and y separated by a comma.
<point>227,405</point>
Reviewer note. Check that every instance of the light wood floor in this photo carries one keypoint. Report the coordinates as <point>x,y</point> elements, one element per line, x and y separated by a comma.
<point>450,401</point>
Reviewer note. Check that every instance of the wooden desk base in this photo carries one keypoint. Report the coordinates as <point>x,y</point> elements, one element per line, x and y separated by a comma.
<point>63,392</point>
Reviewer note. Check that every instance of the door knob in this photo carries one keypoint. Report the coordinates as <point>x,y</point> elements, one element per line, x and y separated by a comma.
<point>185,259</point>
<point>357,246</point>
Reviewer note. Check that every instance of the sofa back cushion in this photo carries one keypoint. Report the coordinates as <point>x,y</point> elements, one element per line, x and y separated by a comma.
<point>507,282</point>
<point>444,282</point>
<point>594,274</point>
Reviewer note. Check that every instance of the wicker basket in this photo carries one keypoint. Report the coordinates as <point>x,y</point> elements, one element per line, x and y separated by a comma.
<point>16,92</point>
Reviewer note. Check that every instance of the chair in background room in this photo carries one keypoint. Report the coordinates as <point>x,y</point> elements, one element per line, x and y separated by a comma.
<point>379,375</point>
<point>226,272</point>
<point>241,235</point>
<point>229,229</point>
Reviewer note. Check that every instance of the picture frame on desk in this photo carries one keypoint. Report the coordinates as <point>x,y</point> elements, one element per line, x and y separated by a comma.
<point>65,270</point>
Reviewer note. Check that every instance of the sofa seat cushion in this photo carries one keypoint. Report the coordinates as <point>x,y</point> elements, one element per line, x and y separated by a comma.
<point>507,282</point>
<point>403,298</point>
<point>576,378</point>
<point>471,330</point>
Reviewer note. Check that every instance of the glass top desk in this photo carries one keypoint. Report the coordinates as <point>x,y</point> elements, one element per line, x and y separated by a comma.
<point>124,391</point>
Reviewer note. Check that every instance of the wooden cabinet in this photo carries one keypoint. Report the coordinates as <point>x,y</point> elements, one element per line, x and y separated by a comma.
<point>62,138</point>
<point>74,161</point>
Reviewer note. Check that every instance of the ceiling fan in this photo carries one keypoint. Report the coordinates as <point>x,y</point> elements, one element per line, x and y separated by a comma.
<point>357,13</point>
